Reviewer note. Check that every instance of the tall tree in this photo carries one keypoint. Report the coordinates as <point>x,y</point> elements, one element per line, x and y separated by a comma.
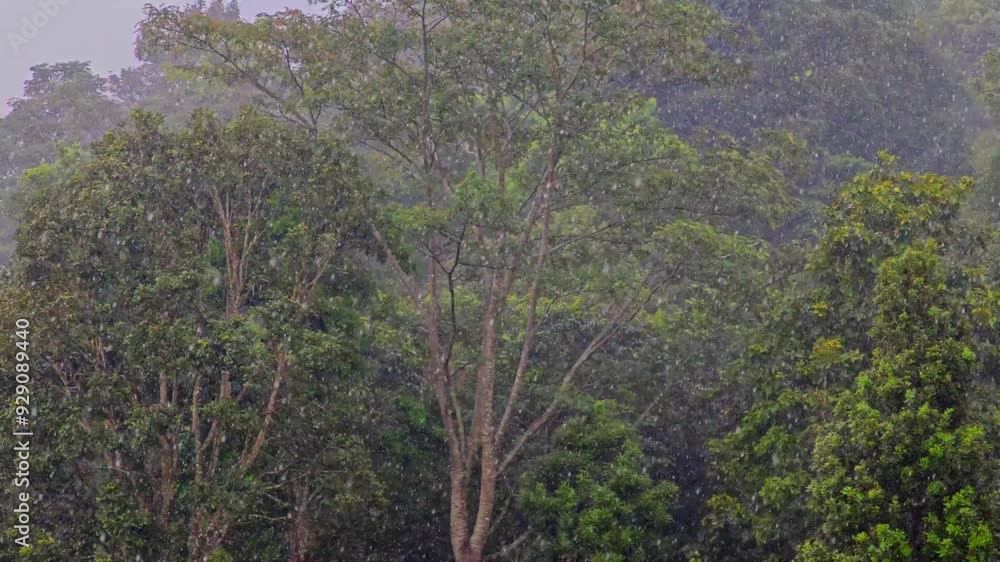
<point>905,469</point>
<point>517,152</point>
<point>820,340</point>
<point>188,275</point>
<point>62,103</point>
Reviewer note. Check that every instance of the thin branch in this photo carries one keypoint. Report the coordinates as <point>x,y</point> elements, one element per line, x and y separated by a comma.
<point>622,318</point>
<point>405,279</point>
<point>512,546</point>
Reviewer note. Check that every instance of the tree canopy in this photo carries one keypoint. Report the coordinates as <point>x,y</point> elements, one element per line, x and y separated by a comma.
<point>561,280</point>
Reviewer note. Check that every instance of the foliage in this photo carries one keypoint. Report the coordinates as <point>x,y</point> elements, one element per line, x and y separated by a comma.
<point>904,467</point>
<point>825,333</point>
<point>514,280</point>
<point>591,497</point>
<point>190,279</point>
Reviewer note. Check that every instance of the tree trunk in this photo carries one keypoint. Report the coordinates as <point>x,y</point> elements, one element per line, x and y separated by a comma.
<point>299,529</point>
<point>468,555</point>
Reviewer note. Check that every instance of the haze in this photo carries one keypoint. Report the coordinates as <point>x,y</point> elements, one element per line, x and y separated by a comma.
<point>70,35</point>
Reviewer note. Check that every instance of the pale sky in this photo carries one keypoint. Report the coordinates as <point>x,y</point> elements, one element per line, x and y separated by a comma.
<point>99,31</point>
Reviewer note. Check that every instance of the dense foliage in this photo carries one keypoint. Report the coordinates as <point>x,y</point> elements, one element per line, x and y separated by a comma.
<point>565,280</point>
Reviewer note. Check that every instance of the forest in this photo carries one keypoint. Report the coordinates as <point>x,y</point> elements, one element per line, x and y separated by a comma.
<point>508,280</point>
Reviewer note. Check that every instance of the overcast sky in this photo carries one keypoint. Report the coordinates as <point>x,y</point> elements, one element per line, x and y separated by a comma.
<point>100,31</point>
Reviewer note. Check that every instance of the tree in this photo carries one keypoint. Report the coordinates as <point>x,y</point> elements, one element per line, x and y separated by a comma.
<point>591,497</point>
<point>62,103</point>
<point>518,152</point>
<point>189,275</point>
<point>904,469</point>
<point>66,103</point>
<point>816,342</point>
<point>160,85</point>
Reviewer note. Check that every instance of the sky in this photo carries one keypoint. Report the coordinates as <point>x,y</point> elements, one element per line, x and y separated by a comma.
<point>100,31</point>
